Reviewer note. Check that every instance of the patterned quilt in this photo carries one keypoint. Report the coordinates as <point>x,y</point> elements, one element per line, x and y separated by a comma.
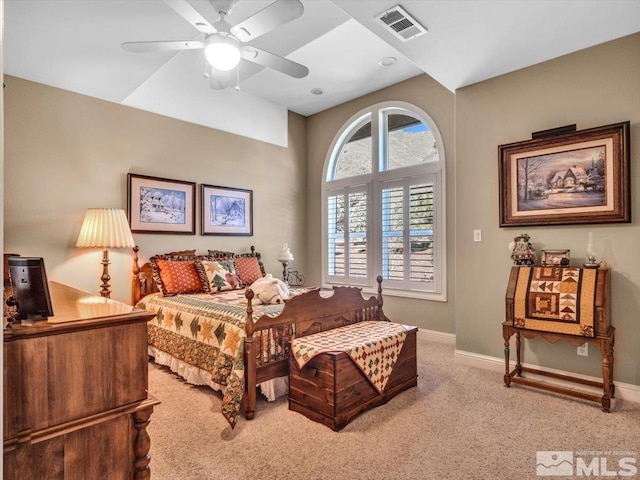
<point>554,299</point>
<point>373,346</point>
<point>207,331</point>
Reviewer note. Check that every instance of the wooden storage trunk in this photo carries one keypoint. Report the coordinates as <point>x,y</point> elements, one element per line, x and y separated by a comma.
<point>332,390</point>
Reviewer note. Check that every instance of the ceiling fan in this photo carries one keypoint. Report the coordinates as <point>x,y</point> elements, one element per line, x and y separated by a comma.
<point>223,44</point>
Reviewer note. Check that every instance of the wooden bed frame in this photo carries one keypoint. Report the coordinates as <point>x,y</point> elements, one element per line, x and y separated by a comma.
<point>302,315</point>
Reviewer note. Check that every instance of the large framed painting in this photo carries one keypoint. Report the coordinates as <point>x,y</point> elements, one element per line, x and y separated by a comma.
<point>161,205</point>
<point>572,178</point>
<point>226,211</point>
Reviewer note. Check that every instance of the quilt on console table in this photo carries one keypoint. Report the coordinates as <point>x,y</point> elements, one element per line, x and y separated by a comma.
<point>373,346</point>
<point>207,331</point>
<point>556,299</point>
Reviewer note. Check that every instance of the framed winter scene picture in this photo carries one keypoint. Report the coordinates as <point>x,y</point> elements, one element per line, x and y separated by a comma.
<point>226,211</point>
<point>161,205</point>
<point>571,178</point>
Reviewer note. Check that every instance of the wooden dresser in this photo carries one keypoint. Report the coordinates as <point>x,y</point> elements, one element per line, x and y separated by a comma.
<point>76,404</point>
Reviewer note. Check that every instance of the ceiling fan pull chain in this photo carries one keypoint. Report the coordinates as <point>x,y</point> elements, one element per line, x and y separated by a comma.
<point>207,68</point>
<point>238,78</point>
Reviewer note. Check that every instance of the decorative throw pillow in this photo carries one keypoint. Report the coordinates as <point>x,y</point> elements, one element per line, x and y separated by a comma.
<point>176,276</point>
<point>228,265</point>
<point>219,277</point>
<point>248,269</point>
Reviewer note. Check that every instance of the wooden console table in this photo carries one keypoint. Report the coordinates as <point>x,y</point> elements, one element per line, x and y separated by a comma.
<point>603,336</point>
<point>76,404</point>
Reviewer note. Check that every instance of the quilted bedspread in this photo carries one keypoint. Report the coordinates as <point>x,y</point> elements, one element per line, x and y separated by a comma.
<point>207,331</point>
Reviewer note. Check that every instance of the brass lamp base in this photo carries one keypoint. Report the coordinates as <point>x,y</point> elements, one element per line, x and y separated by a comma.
<point>105,287</point>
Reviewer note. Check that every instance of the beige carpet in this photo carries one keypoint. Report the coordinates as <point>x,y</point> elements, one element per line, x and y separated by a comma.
<point>458,423</point>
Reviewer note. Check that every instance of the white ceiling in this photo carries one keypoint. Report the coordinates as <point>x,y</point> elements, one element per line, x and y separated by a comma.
<point>75,45</point>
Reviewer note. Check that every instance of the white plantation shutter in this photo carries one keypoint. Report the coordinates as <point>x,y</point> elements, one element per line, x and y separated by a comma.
<point>358,243</point>
<point>393,222</point>
<point>384,203</point>
<point>421,233</point>
<point>407,233</point>
<point>336,235</point>
<point>347,242</point>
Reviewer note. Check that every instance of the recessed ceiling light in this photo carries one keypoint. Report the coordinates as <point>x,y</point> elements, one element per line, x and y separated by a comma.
<point>387,61</point>
<point>317,91</point>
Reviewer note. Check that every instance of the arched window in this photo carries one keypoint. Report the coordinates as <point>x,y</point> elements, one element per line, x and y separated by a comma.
<point>383,203</point>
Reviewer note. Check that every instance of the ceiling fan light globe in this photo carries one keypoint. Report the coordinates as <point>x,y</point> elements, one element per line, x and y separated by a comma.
<point>222,53</point>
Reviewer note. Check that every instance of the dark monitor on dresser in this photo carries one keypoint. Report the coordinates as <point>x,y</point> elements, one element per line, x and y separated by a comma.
<point>30,288</point>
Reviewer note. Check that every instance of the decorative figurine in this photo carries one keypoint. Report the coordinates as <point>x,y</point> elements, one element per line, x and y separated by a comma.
<point>522,252</point>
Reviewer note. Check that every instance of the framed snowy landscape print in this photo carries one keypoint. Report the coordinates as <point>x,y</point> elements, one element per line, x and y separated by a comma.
<point>161,205</point>
<point>226,211</point>
<point>572,178</point>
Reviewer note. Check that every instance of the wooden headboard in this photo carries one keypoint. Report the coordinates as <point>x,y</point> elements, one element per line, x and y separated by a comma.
<point>143,283</point>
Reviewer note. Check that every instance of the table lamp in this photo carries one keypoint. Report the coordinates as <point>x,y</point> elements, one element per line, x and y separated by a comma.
<point>285,257</point>
<point>105,228</point>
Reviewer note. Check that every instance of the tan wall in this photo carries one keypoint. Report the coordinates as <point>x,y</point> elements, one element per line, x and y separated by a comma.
<point>438,102</point>
<point>67,152</point>
<point>594,87</point>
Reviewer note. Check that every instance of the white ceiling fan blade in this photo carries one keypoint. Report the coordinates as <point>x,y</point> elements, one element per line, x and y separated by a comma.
<point>281,64</point>
<point>191,15</point>
<point>163,46</point>
<point>267,19</point>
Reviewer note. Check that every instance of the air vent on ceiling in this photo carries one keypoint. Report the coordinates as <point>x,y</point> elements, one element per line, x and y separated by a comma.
<point>400,23</point>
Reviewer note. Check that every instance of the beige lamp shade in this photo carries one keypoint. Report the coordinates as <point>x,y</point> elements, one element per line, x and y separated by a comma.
<point>105,228</point>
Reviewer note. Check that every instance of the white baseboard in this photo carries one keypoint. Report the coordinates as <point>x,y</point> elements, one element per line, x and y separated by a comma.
<point>624,391</point>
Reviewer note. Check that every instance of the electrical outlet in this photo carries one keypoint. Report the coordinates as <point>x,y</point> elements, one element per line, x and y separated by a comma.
<point>583,349</point>
<point>477,235</point>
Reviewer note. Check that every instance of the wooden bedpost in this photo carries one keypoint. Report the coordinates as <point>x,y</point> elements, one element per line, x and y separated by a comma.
<point>135,279</point>
<point>380,313</point>
<point>249,400</point>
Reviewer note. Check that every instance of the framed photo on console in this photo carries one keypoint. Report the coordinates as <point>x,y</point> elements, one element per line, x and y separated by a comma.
<point>161,205</point>
<point>555,258</point>
<point>226,211</point>
<point>571,178</point>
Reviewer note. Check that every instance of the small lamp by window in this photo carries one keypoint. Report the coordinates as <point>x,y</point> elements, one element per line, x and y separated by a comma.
<point>105,228</point>
<point>285,257</point>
